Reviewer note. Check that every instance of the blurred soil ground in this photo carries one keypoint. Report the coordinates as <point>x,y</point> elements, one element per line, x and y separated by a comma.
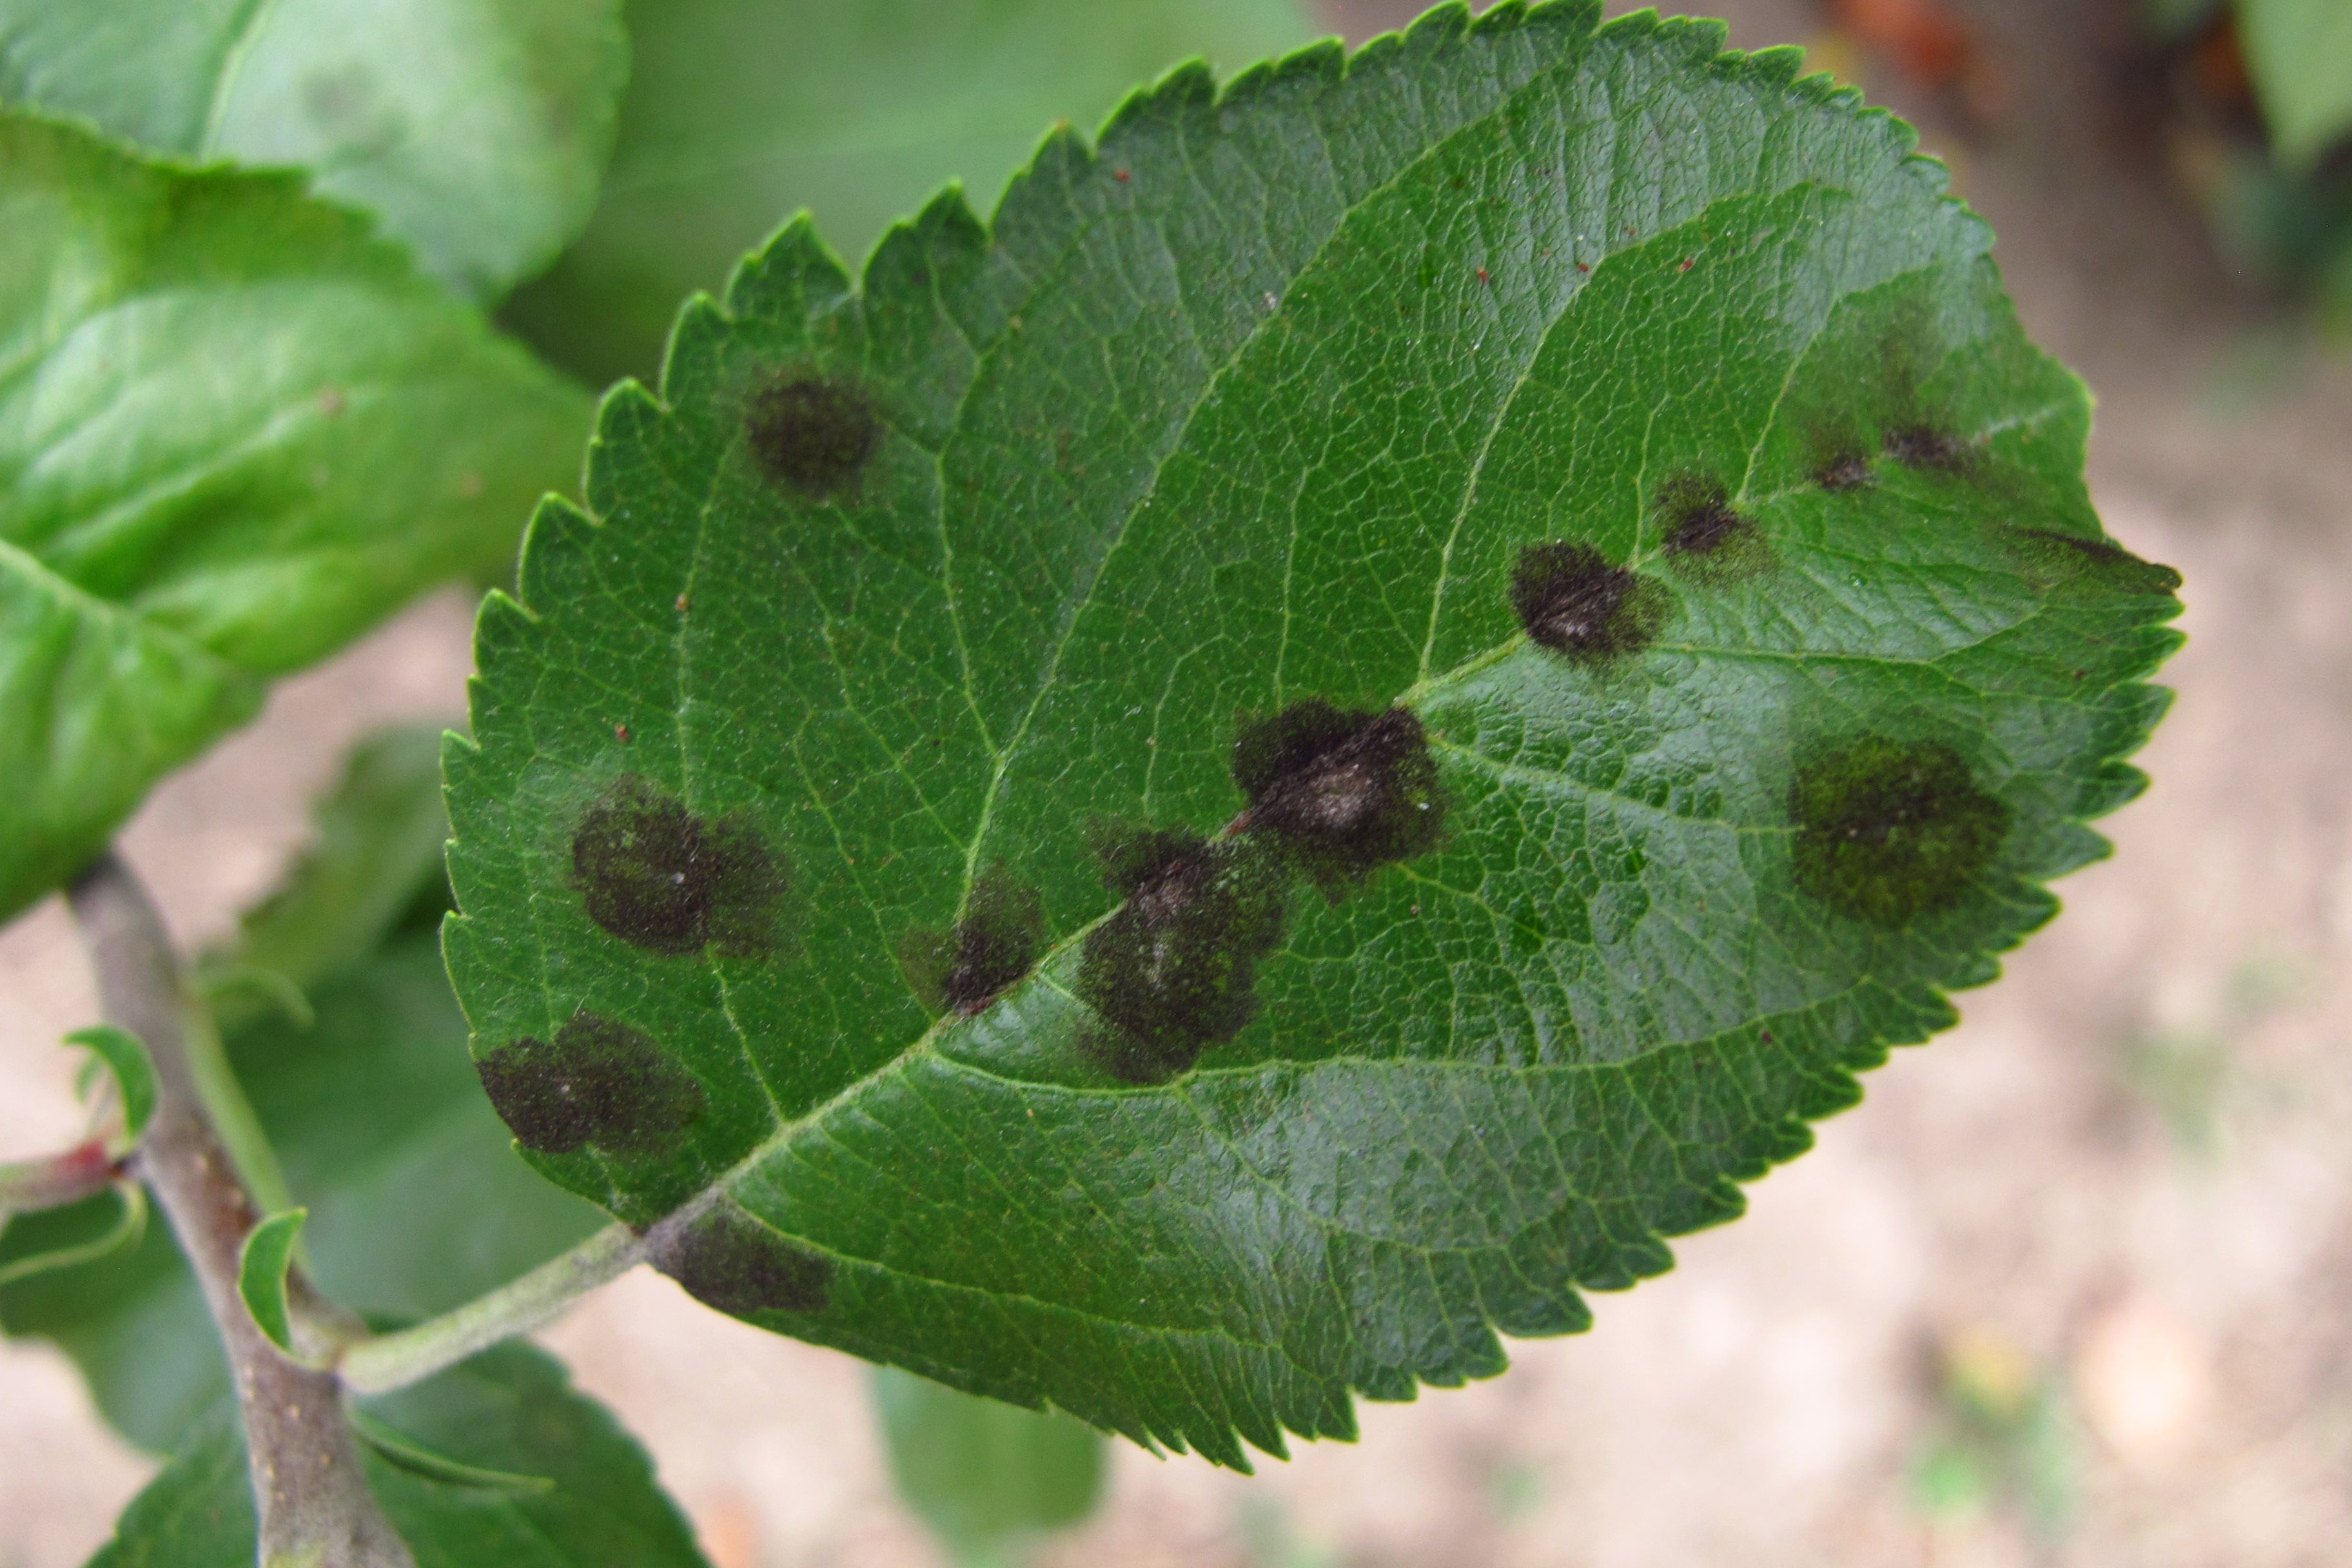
<point>2073,1286</point>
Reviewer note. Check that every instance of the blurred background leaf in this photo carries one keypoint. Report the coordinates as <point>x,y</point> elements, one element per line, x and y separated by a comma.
<point>740,111</point>
<point>373,864</point>
<point>236,431</point>
<point>989,1478</point>
<point>498,1461</point>
<point>474,130</point>
<point>2301,52</point>
<point>2256,109</point>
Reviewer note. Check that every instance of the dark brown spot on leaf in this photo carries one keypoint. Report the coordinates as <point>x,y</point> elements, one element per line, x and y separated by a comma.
<point>1887,830</point>
<point>1345,793</point>
<point>1845,469</point>
<point>811,435</point>
<point>993,945</point>
<point>1174,969</point>
<point>2057,557</point>
<point>1698,516</point>
<point>1925,447</point>
<point>728,1260</point>
<point>661,877</point>
<point>1130,855</point>
<point>601,1083</point>
<point>1706,539</point>
<point>1571,600</point>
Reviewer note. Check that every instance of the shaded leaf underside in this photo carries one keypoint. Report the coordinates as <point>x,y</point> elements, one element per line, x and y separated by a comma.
<point>1641,420</point>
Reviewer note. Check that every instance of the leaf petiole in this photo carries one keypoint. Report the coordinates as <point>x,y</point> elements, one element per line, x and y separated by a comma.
<point>394,1361</point>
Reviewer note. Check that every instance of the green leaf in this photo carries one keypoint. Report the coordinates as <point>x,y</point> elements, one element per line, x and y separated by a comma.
<point>1210,796</point>
<point>372,867</point>
<point>739,112</point>
<point>541,1475</point>
<point>474,130</point>
<point>2301,59</point>
<point>985,1476</point>
<point>261,1274</point>
<point>127,1311</point>
<point>125,1055</point>
<point>398,1450</point>
<point>2299,53</point>
<point>417,1202</point>
<point>109,1223</point>
<point>234,432</point>
<point>96,704</point>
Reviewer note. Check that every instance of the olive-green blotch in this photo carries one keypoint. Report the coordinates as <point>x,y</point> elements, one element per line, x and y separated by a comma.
<point>1887,830</point>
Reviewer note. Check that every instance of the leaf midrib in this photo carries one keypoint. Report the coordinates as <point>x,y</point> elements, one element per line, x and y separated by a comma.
<point>1208,389</point>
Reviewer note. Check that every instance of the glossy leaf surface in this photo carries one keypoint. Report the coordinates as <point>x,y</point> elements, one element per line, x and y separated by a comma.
<point>1211,796</point>
<point>474,130</point>
<point>739,112</point>
<point>537,1475</point>
<point>235,430</point>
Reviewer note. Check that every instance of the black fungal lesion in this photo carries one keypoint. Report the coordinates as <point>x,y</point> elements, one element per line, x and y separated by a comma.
<point>1928,447</point>
<point>665,879</point>
<point>812,434</point>
<point>2058,557</point>
<point>1704,537</point>
<point>1571,599</point>
<point>1129,855</point>
<point>1842,468</point>
<point>599,1083</point>
<point>1173,970</point>
<point>993,944</point>
<point>728,1260</point>
<point>1887,830</point>
<point>1342,792</point>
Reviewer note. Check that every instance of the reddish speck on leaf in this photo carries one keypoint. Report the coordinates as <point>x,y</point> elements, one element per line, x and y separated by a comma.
<point>621,734</point>
<point>1482,275</point>
<point>1584,267</point>
<point>1119,175</point>
<point>1689,262</point>
<point>1766,1036</point>
<point>681,604</point>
